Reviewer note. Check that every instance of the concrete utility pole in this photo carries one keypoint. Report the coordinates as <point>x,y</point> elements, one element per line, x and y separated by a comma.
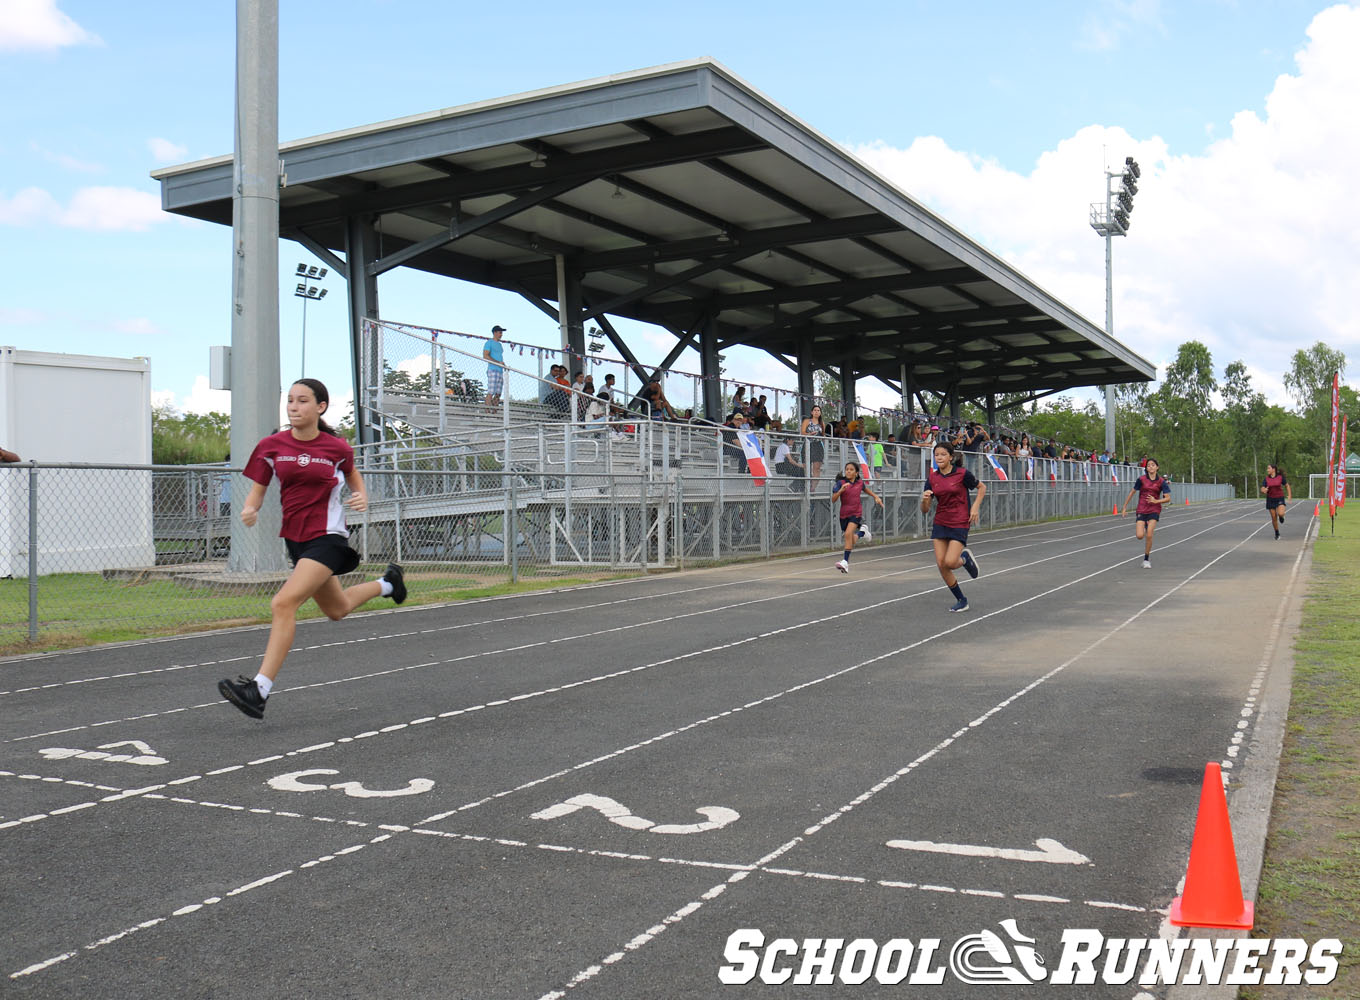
<point>255,273</point>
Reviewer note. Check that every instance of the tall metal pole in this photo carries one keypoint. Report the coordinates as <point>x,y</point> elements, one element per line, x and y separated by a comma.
<point>1109,313</point>
<point>255,272</point>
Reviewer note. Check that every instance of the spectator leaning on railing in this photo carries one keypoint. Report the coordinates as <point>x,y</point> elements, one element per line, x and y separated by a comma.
<point>9,456</point>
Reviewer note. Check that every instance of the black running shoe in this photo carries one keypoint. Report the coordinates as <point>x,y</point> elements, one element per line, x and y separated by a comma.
<point>394,577</point>
<point>970,564</point>
<point>244,693</point>
<point>1277,532</point>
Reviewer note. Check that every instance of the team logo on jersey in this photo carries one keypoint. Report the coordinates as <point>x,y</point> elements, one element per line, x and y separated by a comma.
<point>304,460</point>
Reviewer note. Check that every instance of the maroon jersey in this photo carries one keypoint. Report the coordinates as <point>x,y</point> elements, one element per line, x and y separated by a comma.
<point>1148,491</point>
<point>1275,486</point>
<point>310,476</point>
<point>851,503</point>
<point>951,496</point>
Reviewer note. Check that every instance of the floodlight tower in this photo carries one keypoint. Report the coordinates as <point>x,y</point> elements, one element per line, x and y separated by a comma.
<point>305,290</point>
<point>1110,220</point>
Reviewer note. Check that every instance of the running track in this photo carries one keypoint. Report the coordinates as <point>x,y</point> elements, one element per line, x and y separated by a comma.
<point>812,717</point>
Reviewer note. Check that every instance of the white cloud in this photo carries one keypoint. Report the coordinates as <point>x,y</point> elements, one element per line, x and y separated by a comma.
<point>104,208</point>
<point>37,25</point>
<point>201,399</point>
<point>66,161</point>
<point>165,151</point>
<point>1249,246</point>
<point>1106,27</point>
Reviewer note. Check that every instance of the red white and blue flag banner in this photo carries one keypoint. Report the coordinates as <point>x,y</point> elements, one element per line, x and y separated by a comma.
<point>755,456</point>
<point>1052,470</point>
<point>865,469</point>
<point>1029,468</point>
<point>996,467</point>
<point>1085,472</point>
<point>1331,450</point>
<point>1114,475</point>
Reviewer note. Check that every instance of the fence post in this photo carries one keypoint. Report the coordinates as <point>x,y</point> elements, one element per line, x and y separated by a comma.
<point>32,553</point>
<point>512,532</point>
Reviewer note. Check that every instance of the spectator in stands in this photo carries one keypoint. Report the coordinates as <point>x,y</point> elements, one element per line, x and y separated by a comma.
<point>785,464</point>
<point>738,398</point>
<point>731,446</point>
<point>8,456</point>
<point>854,430</point>
<point>494,354</point>
<point>760,415</point>
<point>813,427</point>
<point>598,412</point>
<point>658,405</point>
<point>559,398</point>
<point>1024,451</point>
<point>1051,449</point>
<point>875,452</point>
<point>974,436</point>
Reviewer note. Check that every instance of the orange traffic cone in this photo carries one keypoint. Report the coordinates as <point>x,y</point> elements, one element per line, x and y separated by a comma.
<point>1115,512</point>
<point>1213,891</point>
<point>1317,509</point>
<point>1187,501</point>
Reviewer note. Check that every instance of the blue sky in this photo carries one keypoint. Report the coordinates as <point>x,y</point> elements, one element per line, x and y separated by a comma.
<point>973,108</point>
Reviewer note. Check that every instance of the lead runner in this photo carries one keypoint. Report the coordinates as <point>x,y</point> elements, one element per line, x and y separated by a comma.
<point>311,461</point>
<point>947,487</point>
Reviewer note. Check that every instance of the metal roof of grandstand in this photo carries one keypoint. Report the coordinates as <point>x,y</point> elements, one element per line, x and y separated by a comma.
<point>681,196</point>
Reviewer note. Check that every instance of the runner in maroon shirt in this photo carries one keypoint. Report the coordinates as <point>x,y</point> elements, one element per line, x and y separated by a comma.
<point>849,488</point>
<point>1274,486</point>
<point>947,487</point>
<point>311,462</point>
<point>1153,491</point>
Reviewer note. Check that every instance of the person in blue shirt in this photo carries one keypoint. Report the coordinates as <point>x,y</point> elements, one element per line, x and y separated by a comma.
<point>495,367</point>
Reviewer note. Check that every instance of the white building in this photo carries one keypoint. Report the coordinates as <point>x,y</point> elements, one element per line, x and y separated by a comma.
<point>68,408</point>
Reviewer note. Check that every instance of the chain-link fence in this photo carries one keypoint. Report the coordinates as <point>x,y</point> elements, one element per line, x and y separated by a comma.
<point>101,553</point>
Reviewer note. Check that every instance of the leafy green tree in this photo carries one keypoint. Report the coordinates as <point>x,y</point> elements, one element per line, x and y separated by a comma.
<point>1245,410</point>
<point>1187,391</point>
<point>1309,382</point>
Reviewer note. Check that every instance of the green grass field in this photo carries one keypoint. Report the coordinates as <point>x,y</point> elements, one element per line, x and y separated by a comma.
<point>1310,882</point>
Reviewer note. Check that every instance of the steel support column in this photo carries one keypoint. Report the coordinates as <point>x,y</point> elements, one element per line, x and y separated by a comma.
<point>570,317</point>
<point>806,383</point>
<point>847,388</point>
<point>710,369</point>
<point>361,250</point>
<point>255,389</point>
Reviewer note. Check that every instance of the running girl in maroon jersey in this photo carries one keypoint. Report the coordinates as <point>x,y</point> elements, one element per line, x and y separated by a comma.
<point>849,488</point>
<point>947,488</point>
<point>1153,491</point>
<point>312,462</point>
<point>1275,486</point>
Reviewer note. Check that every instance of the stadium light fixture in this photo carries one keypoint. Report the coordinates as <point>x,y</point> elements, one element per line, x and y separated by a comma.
<point>1110,220</point>
<point>307,291</point>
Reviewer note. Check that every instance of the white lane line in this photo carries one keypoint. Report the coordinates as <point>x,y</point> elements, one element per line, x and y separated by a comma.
<point>60,781</point>
<point>494,621</point>
<point>712,893</point>
<point>590,635</point>
<point>587,974</point>
<point>195,907</point>
<point>631,670</point>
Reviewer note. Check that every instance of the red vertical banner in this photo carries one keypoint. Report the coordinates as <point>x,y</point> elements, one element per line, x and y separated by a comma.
<point>1331,448</point>
<point>1341,467</point>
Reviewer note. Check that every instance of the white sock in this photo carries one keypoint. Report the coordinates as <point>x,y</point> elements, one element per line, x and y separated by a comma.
<point>386,586</point>
<point>264,684</point>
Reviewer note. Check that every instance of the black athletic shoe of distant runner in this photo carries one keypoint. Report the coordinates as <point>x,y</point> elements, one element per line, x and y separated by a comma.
<point>398,582</point>
<point>244,694</point>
